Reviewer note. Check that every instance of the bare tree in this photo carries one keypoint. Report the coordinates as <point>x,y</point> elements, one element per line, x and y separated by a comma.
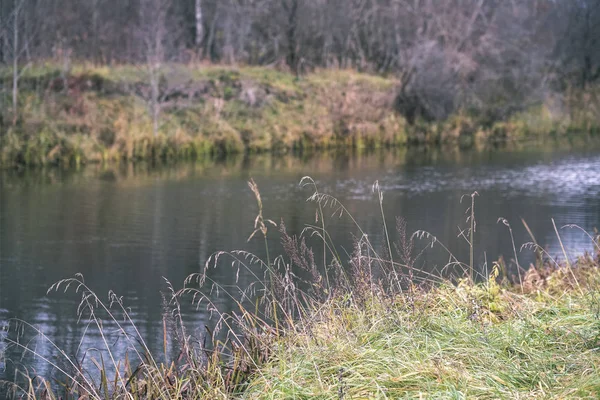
<point>199,25</point>
<point>578,48</point>
<point>16,44</point>
<point>291,32</point>
<point>153,31</point>
<point>468,54</point>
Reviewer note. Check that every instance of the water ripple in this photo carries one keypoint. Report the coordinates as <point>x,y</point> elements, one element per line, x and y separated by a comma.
<point>566,179</point>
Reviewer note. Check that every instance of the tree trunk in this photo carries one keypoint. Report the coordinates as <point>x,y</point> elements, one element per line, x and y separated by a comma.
<point>154,100</point>
<point>95,51</point>
<point>199,26</point>
<point>15,91</point>
<point>291,32</point>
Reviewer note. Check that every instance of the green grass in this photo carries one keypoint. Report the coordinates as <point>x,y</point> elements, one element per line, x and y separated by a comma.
<point>445,343</point>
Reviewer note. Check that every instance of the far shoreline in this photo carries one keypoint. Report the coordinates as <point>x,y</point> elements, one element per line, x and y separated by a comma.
<point>99,115</point>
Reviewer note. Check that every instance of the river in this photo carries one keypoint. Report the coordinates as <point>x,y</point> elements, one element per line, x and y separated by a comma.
<point>126,227</point>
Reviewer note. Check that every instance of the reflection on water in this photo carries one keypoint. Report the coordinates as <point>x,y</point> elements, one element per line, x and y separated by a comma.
<point>127,227</point>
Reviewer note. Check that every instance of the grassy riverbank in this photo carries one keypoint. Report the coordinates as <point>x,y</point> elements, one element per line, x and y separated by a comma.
<point>102,114</point>
<point>489,340</point>
<point>483,341</point>
<point>374,326</point>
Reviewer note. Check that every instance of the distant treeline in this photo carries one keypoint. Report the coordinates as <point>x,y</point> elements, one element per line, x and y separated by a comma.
<point>491,56</point>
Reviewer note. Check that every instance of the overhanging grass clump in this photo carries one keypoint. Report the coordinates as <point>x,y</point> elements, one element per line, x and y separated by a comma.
<point>369,326</point>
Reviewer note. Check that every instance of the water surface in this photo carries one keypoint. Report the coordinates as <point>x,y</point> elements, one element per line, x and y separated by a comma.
<point>127,228</point>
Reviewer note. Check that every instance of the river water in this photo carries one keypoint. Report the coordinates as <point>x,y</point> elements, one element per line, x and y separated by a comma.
<point>126,228</point>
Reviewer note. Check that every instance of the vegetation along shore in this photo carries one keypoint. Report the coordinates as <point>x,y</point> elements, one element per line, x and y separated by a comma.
<point>107,114</point>
<point>101,114</point>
